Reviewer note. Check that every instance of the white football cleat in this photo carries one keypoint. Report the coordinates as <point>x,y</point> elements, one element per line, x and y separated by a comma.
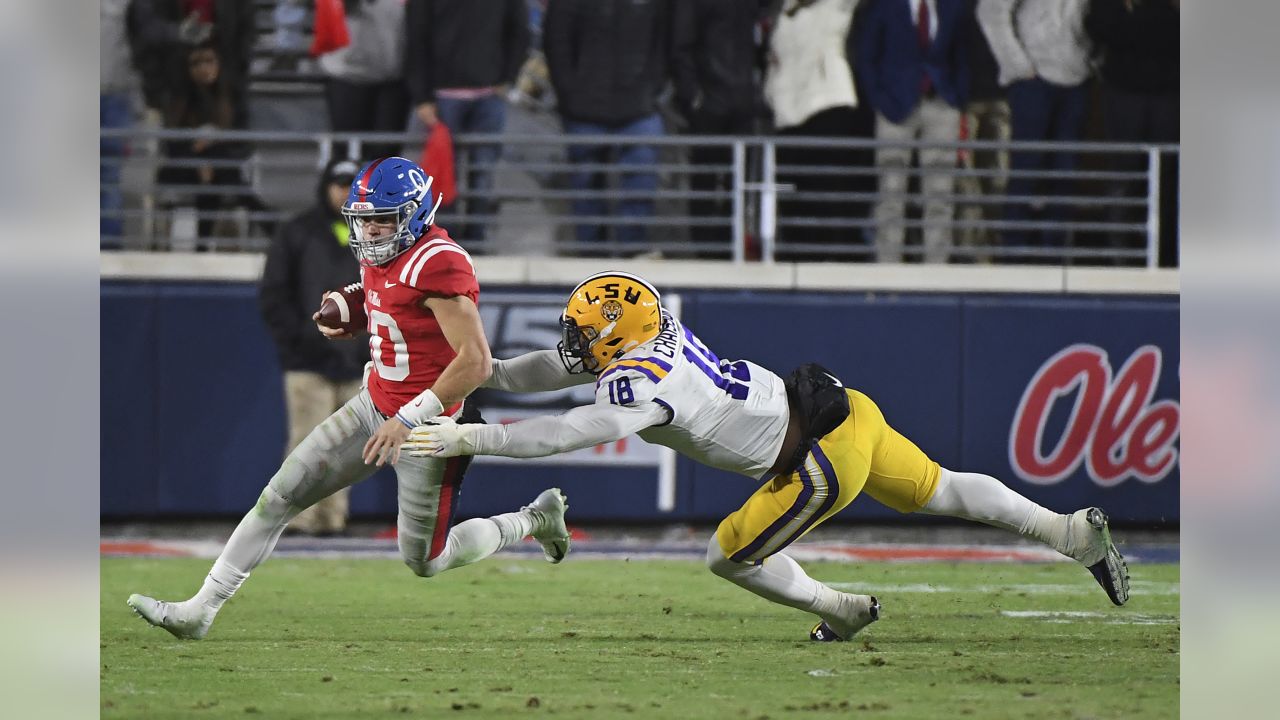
<point>855,612</point>
<point>1090,543</point>
<point>188,621</point>
<point>549,529</point>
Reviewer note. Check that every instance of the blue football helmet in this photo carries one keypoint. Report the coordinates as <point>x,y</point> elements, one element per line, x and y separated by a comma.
<point>389,191</point>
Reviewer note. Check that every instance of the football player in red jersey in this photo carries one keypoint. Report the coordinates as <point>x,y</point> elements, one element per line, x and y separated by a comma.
<point>428,352</point>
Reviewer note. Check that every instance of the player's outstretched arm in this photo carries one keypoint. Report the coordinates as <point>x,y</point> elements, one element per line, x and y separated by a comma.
<point>534,372</point>
<point>536,437</point>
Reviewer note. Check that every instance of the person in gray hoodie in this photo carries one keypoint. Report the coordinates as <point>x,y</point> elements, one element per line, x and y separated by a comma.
<point>1045,59</point>
<point>364,81</point>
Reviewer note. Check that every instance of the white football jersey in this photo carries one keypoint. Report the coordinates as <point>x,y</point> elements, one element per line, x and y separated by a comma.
<point>727,414</point>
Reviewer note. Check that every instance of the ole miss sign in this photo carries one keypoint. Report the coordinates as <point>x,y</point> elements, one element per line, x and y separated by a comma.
<point>1116,428</point>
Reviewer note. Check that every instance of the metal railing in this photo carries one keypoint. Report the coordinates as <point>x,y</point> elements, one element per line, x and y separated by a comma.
<point>756,198</point>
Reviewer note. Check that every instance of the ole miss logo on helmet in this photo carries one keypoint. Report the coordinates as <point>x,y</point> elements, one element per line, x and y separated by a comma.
<point>1114,429</point>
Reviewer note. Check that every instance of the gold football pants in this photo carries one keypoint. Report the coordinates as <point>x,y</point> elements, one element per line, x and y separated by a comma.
<point>863,452</point>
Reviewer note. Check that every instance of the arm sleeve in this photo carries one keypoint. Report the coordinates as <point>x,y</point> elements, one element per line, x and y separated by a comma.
<point>579,428</point>
<point>515,31</point>
<point>960,53</point>
<point>867,35</point>
<point>684,45</point>
<point>534,372</point>
<point>419,47</point>
<point>275,294</point>
<point>996,19</point>
<point>625,405</point>
<point>660,52</point>
<point>558,40</point>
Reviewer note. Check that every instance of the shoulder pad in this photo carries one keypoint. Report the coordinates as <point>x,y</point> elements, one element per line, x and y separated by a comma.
<point>438,266</point>
<point>654,368</point>
<point>628,386</point>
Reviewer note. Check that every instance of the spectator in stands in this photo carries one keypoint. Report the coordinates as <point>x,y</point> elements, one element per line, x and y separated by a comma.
<point>308,257</point>
<point>532,89</point>
<point>462,58</point>
<point>1139,44</point>
<point>986,118</point>
<point>607,60</point>
<point>364,81</point>
<point>809,84</point>
<point>1045,59</point>
<point>162,31</point>
<point>118,88</point>
<point>208,166</point>
<point>913,64</point>
<point>713,65</point>
<point>289,41</point>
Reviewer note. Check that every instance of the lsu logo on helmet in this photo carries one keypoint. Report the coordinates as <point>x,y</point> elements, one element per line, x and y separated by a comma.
<point>607,315</point>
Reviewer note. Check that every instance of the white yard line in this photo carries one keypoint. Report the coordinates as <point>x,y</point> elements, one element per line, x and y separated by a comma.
<point>1086,587</point>
<point>1118,617</point>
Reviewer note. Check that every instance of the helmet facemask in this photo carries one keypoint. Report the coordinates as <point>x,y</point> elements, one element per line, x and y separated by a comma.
<point>382,248</point>
<point>575,347</point>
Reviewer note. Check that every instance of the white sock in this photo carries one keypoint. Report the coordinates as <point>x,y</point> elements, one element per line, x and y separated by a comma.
<point>478,538</point>
<point>469,541</point>
<point>982,498</point>
<point>779,579</point>
<point>253,540</point>
<point>514,527</point>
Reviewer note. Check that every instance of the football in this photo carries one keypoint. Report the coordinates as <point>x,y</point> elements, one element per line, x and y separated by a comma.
<point>344,309</point>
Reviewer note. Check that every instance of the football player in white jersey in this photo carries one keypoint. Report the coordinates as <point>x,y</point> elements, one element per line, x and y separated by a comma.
<point>814,443</point>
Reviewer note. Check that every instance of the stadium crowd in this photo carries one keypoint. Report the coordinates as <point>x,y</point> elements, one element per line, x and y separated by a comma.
<point>892,71</point>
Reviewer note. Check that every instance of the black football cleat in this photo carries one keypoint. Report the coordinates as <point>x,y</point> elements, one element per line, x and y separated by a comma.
<point>822,632</point>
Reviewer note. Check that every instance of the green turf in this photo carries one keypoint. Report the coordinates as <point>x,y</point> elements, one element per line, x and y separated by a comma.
<point>610,638</point>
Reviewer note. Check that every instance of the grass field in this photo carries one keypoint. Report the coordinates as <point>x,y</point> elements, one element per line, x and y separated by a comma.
<point>665,639</point>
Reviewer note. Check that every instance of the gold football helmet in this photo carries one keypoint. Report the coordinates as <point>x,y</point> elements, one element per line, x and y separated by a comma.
<point>607,315</point>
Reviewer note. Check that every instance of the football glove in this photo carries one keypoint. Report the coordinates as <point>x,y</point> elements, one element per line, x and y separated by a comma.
<point>440,437</point>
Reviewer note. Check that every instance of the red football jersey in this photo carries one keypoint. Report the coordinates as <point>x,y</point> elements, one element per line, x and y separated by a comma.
<point>407,347</point>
